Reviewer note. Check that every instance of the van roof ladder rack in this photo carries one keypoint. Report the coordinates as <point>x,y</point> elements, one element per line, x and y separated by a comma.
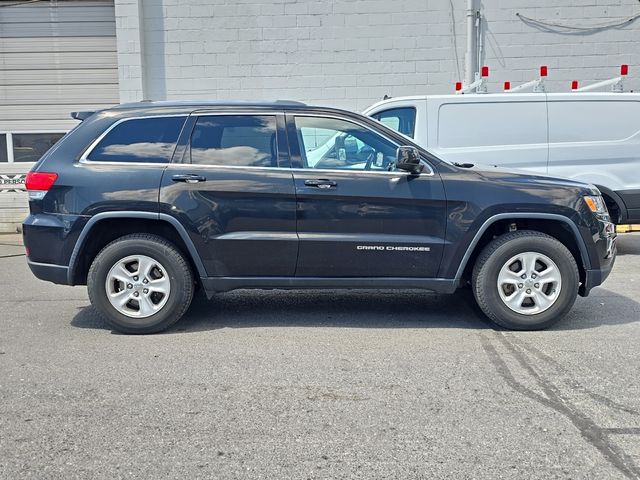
<point>478,86</point>
<point>615,82</point>
<point>537,84</point>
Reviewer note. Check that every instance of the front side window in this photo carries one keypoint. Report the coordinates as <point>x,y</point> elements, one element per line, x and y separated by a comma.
<point>29,147</point>
<point>329,143</point>
<point>235,140</point>
<point>148,140</point>
<point>401,120</point>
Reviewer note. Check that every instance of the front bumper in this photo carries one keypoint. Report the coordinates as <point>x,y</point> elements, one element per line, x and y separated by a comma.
<point>606,251</point>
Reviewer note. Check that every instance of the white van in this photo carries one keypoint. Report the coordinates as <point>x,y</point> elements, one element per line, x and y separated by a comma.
<point>590,137</point>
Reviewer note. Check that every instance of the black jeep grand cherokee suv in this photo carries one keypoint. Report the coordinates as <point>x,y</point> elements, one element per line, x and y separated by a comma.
<point>145,202</point>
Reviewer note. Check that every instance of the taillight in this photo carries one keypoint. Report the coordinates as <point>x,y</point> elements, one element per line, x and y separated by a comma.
<point>39,183</point>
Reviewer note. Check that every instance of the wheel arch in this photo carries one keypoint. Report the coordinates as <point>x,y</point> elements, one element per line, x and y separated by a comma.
<point>555,225</point>
<point>103,228</point>
<point>615,198</point>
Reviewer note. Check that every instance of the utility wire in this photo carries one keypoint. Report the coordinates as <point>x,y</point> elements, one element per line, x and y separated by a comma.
<point>575,29</point>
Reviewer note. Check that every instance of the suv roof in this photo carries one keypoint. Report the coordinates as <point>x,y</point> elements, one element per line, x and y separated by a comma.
<point>208,103</point>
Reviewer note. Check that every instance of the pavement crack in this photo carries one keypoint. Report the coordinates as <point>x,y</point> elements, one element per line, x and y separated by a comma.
<point>592,433</point>
<point>569,380</point>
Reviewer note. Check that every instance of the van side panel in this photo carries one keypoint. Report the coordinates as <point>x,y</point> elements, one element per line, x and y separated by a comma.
<point>507,132</point>
<point>597,140</point>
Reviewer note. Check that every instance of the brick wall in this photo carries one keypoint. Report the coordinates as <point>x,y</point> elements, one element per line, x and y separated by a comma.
<point>350,53</point>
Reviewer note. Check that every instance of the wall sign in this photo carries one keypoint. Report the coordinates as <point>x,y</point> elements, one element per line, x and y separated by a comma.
<point>12,182</point>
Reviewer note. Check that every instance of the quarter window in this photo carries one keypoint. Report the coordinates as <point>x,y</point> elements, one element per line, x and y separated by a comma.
<point>328,143</point>
<point>149,140</point>
<point>402,120</point>
<point>239,141</point>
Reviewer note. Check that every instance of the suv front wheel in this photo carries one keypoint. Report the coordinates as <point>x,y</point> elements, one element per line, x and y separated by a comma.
<point>525,280</point>
<point>140,283</point>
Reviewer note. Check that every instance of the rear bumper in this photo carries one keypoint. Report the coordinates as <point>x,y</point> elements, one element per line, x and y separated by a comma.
<point>50,272</point>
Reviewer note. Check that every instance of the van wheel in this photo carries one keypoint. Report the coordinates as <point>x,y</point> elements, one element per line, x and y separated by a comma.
<point>140,284</point>
<point>525,280</point>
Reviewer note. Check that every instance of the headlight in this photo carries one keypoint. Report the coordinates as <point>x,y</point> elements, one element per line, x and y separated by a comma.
<point>595,203</point>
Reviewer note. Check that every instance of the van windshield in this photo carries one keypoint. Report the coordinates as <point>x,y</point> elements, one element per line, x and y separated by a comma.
<point>402,119</point>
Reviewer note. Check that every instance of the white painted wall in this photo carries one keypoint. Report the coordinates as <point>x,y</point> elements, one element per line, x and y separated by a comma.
<point>350,53</point>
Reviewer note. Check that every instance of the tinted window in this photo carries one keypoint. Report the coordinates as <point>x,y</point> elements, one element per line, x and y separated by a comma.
<point>149,140</point>
<point>3,148</point>
<point>243,140</point>
<point>338,144</point>
<point>402,120</point>
<point>29,147</point>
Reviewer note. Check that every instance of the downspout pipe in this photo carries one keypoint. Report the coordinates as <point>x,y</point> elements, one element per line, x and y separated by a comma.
<point>471,54</point>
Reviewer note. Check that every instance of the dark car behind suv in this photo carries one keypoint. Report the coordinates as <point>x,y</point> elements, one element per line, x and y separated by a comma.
<point>146,202</point>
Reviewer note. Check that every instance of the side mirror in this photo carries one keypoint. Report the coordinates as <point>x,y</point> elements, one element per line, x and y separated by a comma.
<point>408,159</point>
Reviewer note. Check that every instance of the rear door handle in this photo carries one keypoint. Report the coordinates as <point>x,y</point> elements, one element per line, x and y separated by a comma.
<point>321,183</point>
<point>188,178</point>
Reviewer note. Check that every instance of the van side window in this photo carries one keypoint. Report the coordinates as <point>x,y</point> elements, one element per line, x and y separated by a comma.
<point>593,121</point>
<point>235,140</point>
<point>149,140</point>
<point>402,119</point>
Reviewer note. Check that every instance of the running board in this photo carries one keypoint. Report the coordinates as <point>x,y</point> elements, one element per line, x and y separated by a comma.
<point>225,284</point>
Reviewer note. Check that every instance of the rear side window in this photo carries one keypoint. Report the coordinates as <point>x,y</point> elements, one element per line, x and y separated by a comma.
<point>402,120</point>
<point>149,140</point>
<point>240,141</point>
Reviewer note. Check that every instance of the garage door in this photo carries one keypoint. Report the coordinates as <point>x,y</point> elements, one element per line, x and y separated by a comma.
<point>55,57</point>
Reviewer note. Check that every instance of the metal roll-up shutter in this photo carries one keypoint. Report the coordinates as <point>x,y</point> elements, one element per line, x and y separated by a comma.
<point>55,57</point>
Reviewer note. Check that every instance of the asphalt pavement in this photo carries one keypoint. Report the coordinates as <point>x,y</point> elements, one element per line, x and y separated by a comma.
<point>318,384</point>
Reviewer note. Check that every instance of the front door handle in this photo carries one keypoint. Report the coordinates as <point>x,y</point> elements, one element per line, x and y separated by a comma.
<point>321,183</point>
<point>188,178</point>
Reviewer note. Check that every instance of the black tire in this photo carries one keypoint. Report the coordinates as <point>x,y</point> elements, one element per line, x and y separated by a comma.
<point>494,256</point>
<point>178,272</point>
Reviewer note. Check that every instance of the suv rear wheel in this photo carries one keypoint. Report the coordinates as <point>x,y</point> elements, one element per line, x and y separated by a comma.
<point>140,284</point>
<point>525,280</point>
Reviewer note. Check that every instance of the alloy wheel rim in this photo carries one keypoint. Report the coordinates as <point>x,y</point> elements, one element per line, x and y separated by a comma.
<point>529,283</point>
<point>138,286</point>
